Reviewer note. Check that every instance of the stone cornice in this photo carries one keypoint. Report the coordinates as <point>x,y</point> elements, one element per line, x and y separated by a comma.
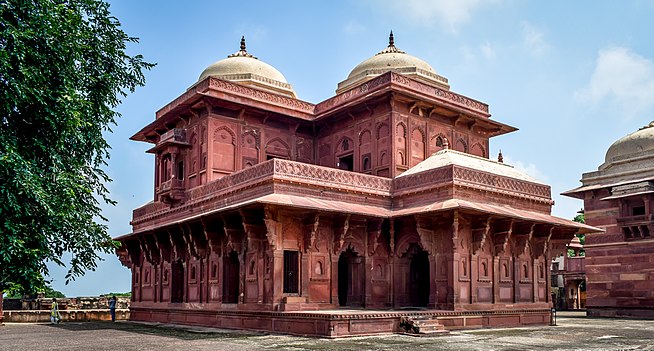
<point>234,92</point>
<point>400,82</point>
<point>338,185</point>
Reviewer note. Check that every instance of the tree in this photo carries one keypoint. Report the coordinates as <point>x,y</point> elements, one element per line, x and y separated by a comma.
<point>63,70</point>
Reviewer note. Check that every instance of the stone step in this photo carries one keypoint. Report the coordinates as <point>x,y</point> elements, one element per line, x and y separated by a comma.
<point>423,326</point>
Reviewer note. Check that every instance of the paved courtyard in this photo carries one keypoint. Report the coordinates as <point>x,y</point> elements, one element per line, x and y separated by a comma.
<point>571,333</point>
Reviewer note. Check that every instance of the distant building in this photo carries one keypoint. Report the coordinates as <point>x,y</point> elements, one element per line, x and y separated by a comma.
<point>382,197</point>
<point>619,198</point>
<point>568,279</point>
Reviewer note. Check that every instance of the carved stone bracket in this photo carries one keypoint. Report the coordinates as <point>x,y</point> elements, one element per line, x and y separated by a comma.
<point>312,233</point>
<point>455,229</point>
<point>501,238</point>
<point>541,242</point>
<point>178,244</point>
<point>424,228</point>
<point>391,237</point>
<point>165,245</point>
<point>480,235</point>
<point>523,238</point>
<point>374,232</point>
<point>198,240</point>
<point>340,231</point>
<point>186,237</point>
<point>234,235</point>
<point>270,221</point>
<point>212,235</point>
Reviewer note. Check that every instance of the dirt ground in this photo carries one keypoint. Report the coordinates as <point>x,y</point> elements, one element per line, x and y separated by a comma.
<point>573,332</point>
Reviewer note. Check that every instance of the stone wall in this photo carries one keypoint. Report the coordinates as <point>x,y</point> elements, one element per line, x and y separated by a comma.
<point>73,303</point>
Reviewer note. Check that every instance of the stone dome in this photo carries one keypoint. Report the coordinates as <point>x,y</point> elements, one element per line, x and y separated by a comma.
<point>639,141</point>
<point>243,68</point>
<point>393,59</point>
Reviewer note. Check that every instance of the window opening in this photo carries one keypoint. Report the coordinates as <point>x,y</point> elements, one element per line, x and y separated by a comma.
<point>291,272</point>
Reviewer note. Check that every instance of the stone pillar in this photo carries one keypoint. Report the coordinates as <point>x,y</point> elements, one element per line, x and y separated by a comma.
<point>432,281</point>
<point>535,276</point>
<point>305,267</point>
<point>474,277</point>
<point>496,279</point>
<point>278,276</point>
<point>456,288</point>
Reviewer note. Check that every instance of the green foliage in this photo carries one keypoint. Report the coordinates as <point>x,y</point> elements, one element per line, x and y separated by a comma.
<point>123,294</point>
<point>47,291</point>
<point>63,69</point>
<point>580,218</point>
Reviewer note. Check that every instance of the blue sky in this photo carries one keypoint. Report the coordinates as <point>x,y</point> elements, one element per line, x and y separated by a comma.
<point>573,76</point>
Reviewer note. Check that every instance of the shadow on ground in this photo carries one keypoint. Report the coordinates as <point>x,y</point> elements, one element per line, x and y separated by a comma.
<point>165,330</point>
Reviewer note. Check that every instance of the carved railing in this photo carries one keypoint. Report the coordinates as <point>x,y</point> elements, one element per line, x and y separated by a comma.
<point>636,227</point>
<point>170,185</point>
<point>174,135</point>
<point>575,264</point>
<point>398,79</point>
<point>275,169</point>
<point>474,178</point>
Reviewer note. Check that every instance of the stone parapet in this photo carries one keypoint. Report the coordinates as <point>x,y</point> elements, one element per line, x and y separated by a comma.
<point>43,316</point>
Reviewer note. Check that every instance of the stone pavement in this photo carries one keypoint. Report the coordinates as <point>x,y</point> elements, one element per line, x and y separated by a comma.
<point>573,332</point>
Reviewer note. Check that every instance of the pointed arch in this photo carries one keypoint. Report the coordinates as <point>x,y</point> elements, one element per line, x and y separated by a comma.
<point>478,150</point>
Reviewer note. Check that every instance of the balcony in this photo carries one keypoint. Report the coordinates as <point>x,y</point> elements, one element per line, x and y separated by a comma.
<point>171,190</point>
<point>636,227</point>
<point>575,264</point>
<point>175,135</point>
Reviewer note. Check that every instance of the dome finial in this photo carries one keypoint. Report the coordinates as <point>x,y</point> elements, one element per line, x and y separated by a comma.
<point>500,158</point>
<point>242,52</point>
<point>391,49</point>
<point>650,125</point>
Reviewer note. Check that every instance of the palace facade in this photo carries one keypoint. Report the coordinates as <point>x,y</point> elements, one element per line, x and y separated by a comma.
<point>352,216</point>
<point>619,198</point>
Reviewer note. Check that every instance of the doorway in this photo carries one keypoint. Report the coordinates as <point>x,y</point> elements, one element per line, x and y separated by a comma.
<point>419,280</point>
<point>346,162</point>
<point>231,274</point>
<point>177,281</point>
<point>350,279</point>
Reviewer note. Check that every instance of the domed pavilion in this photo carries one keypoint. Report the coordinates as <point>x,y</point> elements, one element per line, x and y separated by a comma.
<point>619,198</point>
<point>377,210</point>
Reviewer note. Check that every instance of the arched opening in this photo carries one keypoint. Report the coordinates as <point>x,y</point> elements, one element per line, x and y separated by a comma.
<point>177,281</point>
<point>419,287</point>
<point>350,279</point>
<point>230,278</point>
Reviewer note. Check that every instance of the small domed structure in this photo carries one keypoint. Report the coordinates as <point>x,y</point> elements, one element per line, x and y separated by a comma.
<point>396,60</point>
<point>637,142</point>
<point>243,68</point>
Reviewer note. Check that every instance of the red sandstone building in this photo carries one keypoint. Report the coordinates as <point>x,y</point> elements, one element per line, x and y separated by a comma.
<point>619,198</point>
<point>376,207</point>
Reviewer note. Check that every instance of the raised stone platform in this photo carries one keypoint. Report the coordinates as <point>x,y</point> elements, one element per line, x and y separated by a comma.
<point>43,316</point>
<point>339,323</point>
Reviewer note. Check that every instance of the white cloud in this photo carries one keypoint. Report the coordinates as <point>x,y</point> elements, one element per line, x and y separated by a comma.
<point>488,51</point>
<point>354,27</point>
<point>623,78</point>
<point>529,168</point>
<point>534,39</point>
<point>448,13</point>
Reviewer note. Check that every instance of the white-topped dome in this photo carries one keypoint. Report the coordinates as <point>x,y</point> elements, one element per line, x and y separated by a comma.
<point>396,60</point>
<point>637,142</point>
<point>246,69</point>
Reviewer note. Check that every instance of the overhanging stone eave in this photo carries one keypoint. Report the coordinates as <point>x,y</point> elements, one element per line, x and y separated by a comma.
<point>496,211</point>
<point>263,99</point>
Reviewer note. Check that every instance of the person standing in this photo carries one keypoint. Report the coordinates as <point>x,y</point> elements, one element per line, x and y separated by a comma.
<point>55,316</point>
<point>112,308</point>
